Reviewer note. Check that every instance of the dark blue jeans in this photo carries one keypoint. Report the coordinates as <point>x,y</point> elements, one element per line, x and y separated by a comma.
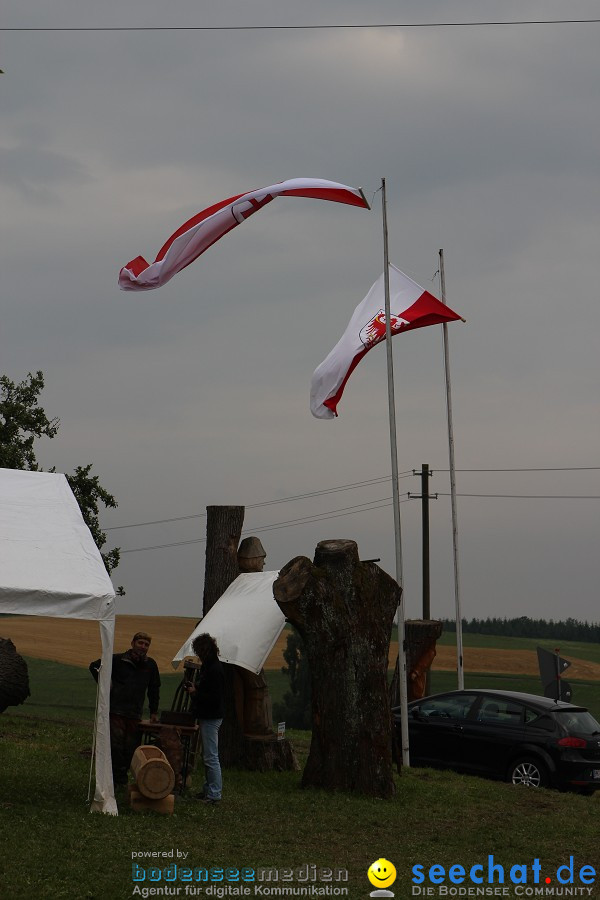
<point>213,784</point>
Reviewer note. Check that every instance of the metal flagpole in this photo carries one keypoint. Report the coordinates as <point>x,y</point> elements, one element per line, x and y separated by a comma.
<point>459,641</point>
<point>395,485</point>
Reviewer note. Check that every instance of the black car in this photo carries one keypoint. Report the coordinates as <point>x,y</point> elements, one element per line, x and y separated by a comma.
<point>517,737</point>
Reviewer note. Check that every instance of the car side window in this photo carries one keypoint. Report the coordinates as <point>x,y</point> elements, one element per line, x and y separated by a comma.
<point>500,711</point>
<point>546,723</point>
<point>450,707</point>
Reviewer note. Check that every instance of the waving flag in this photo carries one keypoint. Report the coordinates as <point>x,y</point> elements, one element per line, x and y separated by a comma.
<point>410,307</point>
<point>207,227</point>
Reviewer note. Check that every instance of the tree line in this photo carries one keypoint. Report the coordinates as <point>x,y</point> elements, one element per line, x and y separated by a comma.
<point>565,629</point>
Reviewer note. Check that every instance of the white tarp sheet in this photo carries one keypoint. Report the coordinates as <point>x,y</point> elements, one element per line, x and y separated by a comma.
<point>245,622</point>
<point>50,566</point>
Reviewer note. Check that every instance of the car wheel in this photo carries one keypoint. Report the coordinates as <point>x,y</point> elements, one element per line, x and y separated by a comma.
<point>529,771</point>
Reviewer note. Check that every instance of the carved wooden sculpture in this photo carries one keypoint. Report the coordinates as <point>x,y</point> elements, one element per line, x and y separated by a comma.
<point>420,636</point>
<point>251,555</point>
<point>344,611</point>
<point>14,678</point>
<point>246,737</point>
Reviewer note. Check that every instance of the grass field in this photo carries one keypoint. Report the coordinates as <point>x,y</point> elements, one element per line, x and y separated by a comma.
<point>59,691</point>
<point>51,847</point>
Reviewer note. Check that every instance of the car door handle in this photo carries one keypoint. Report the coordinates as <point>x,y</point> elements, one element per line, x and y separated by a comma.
<point>458,728</point>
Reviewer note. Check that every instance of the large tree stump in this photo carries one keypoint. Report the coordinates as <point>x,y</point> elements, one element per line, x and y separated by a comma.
<point>14,677</point>
<point>344,610</point>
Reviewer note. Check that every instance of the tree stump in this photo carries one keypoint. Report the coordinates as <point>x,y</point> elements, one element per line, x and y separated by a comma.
<point>14,677</point>
<point>344,610</point>
<point>420,637</point>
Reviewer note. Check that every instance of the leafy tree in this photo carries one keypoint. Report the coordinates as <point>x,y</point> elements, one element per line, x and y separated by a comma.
<point>22,420</point>
<point>89,493</point>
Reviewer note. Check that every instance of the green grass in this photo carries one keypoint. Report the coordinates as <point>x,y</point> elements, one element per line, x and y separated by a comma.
<point>59,691</point>
<point>69,692</point>
<point>52,848</point>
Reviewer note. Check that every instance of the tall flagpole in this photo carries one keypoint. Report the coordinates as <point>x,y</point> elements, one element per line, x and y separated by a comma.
<point>395,485</point>
<point>459,642</point>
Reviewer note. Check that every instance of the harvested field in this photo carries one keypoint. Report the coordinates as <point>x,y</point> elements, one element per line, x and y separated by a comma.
<point>509,662</point>
<point>77,642</point>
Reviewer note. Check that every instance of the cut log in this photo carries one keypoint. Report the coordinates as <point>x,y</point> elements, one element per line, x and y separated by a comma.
<point>344,610</point>
<point>153,775</point>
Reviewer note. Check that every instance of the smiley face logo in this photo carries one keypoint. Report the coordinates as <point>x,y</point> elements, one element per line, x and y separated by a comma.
<point>381,873</point>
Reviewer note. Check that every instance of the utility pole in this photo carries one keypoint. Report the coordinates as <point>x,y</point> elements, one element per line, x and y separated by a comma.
<point>425,498</point>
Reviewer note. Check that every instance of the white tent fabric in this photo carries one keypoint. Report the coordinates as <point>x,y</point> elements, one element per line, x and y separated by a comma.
<point>50,566</point>
<point>245,621</point>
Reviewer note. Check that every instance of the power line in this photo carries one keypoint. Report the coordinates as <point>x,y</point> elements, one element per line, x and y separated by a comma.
<point>348,487</point>
<point>531,496</point>
<point>538,469</point>
<point>318,517</point>
<point>365,507</point>
<point>344,487</point>
<point>331,27</point>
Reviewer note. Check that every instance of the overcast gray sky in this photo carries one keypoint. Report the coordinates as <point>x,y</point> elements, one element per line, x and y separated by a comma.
<point>197,393</point>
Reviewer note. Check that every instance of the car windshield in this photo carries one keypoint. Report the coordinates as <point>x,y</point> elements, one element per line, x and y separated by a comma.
<point>580,721</point>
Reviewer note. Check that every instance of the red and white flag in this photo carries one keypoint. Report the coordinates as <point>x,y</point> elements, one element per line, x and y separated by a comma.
<point>207,227</point>
<point>410,307</point>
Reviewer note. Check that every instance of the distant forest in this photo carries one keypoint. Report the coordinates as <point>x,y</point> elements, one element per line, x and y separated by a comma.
<point>567,630</point>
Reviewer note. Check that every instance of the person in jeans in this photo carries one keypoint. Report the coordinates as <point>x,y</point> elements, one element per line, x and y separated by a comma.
<point>207,703</point>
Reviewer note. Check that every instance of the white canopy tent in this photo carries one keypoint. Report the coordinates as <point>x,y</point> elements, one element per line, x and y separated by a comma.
<point>245,622</point>
<point>50,566</point>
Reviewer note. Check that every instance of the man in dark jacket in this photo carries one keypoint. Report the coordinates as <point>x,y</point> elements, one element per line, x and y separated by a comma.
<point>207,702</point>
<point>134,674</point>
